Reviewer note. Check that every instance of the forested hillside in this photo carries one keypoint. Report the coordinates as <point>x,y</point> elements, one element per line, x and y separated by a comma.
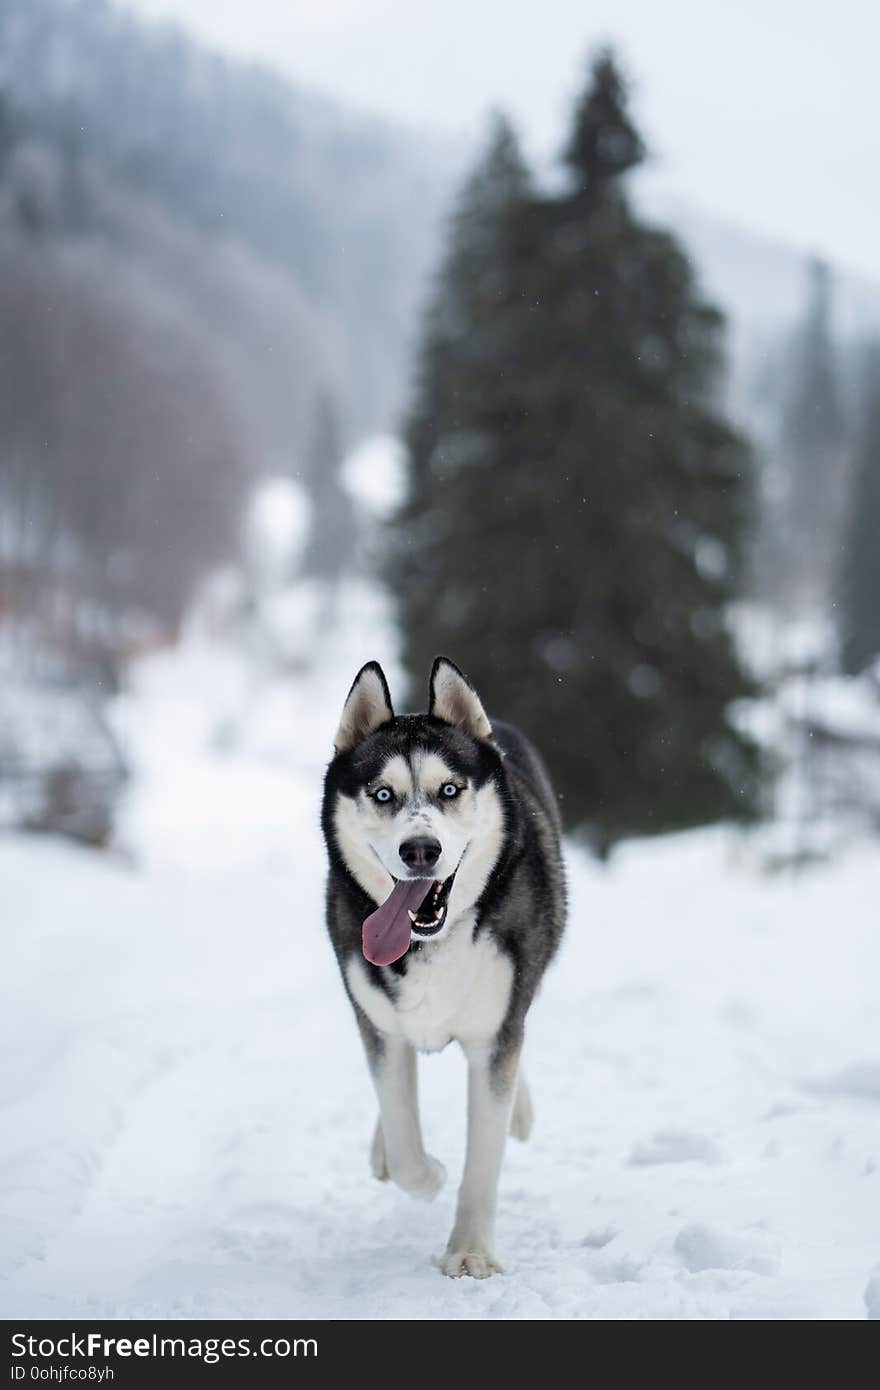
<point>198,262</point>
<point>347,206</point>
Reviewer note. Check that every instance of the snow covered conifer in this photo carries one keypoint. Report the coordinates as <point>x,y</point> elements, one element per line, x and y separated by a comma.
<point>860,586</point>
<point>815,448</point>
<point>333,533</point>
<point>578,503</point>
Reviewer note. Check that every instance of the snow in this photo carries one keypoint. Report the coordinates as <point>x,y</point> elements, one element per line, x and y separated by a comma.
<point>185,1113</point>
<point>847,708</point>
<point>703,1248</point>
<point>276,529</point>
<point>375,474</point>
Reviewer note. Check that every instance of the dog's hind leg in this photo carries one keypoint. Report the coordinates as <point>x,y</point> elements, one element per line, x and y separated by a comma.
<point>522,1117</point>
<point>398,1150</point>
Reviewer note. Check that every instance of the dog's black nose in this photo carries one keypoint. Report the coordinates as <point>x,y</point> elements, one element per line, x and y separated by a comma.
<point>420,853</point>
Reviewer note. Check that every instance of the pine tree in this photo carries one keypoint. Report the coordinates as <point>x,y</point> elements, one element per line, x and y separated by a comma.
<point>577,504</point>
<point>860,587</point>
<point>332,536</point>
<point>604,144</point>
<point>9,132</point>
<point>475,325</point>
<point>814,446</point>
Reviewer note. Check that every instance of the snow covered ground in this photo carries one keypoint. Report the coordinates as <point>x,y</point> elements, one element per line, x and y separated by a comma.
<point>185,1112</point>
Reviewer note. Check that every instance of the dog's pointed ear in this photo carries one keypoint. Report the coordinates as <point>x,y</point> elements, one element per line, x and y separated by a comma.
<point>452,698</point>
<point>367,707</point>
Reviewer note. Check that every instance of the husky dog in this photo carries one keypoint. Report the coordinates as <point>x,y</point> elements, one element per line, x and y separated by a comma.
<point>445,903</point>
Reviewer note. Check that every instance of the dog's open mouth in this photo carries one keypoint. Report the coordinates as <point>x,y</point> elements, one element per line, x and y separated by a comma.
<point>431,915</point>
<point>414,905</point>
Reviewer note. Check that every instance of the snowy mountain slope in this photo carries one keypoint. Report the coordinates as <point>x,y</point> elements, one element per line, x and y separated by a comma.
<point>185,1113</point>
<point>762,281</point>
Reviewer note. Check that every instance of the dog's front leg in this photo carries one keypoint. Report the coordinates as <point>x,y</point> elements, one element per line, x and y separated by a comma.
<point>398,1136</point>
<point>490,1097</point>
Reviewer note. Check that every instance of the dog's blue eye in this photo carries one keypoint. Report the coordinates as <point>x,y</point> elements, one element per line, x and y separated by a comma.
<point>449,789</point>
<point>383,794</point>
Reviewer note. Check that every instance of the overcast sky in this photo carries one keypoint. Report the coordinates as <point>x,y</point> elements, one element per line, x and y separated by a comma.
<point>763,111</point>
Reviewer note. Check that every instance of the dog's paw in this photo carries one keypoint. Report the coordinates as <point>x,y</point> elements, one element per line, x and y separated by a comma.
<point>478,1264</point>
<point>423,1180</point>
<point>378,1161</point>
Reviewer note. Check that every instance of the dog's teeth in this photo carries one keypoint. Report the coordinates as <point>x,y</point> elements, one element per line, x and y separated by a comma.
<point>411,914</point>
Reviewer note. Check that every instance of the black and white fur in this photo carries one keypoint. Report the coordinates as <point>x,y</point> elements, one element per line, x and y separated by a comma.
<point>474,980</point>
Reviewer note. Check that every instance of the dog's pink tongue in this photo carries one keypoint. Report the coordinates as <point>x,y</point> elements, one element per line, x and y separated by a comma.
<point>387,930</point>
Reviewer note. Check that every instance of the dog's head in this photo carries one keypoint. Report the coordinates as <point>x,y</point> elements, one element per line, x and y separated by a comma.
<point>414,806</point>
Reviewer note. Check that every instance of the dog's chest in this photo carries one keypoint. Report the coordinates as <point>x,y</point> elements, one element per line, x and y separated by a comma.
<point>458,989</point>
